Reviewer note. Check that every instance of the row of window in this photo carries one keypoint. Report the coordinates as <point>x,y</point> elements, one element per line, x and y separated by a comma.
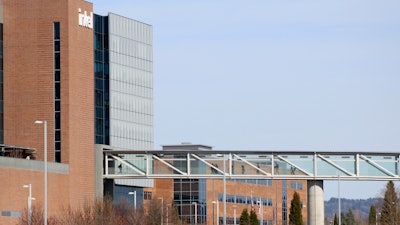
<point>1,86</point>
<point>125,27</point>
<point>254,181</point>
<point>131,47</point>
<point>131,89</point>
<point>131,117</point>
<point>128,143</point>
<point>57,93</point>
<point>147,195</point>
<point>239,199</point>
<point>296,185</point>
<point>102,89</point>
<point>130,61</point>
<point>131,75</point>
<point>231,220</point>
<point>125,103</point>
<point>127,130</point>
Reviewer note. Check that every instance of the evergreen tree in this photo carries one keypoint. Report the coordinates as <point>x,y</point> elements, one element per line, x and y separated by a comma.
<point>389,206</point>
<point>336,220</point>
<point>349,218</point>
<point>295,216</point>
<point>342,219</point>
<point>253,218</point>
<point>372,215</point>
<point>244,217</point>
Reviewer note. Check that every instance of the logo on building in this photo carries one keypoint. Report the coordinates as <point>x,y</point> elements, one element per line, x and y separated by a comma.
<point>85,20</point>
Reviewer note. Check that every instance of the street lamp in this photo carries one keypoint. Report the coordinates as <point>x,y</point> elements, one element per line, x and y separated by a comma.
<point>195,212</point>
<point>167,212</point>
<point>29,203</point>
<point>134,198</point>
<point>224,184</point>
<point>339,206</point>
<point>260,211</point>
<point>217,202</point>
<point>234,214</point>
<point>162,210</point>
<point>44,122</point>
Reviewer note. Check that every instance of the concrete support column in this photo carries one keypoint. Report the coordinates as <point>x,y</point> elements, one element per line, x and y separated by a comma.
<point>315,202</point>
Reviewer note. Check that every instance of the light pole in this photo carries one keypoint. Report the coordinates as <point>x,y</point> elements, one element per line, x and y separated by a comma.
<point>212,202</point>
<point>260,211</point>
<point>167,212</point>
<point>224,196</point>
<point>44,122</point>
<point>195,212</point>
<point>29,203</point>
<point>162,210</point>
<point>340,209</point>
<point>224,183</point>
<point>217,202</point>
<point>134,198</point>
<point>234,214</point>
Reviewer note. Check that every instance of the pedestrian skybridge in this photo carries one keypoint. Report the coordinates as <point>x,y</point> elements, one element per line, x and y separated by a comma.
<point>217,164</point>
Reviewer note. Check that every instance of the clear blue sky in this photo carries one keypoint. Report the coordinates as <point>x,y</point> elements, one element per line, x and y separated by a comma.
<point>275,75</point>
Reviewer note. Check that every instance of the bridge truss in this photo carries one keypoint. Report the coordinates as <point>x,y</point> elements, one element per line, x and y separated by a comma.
<point>217,164</point>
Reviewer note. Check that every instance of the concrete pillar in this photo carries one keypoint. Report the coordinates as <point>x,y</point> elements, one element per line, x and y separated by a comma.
<point>315,202</point>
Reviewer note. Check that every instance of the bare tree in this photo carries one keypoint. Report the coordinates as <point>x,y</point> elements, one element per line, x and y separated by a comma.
<point>37,217</point>
<point>154,213</point>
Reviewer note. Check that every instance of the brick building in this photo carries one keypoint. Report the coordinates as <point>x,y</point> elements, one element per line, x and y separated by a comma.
<point>200,198</point>
<point>90,78</point>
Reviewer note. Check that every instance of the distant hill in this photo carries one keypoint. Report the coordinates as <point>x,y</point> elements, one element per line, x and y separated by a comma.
<point>360,207</point>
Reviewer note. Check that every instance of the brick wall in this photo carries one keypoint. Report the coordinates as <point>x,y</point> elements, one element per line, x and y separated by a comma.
<point>15,198</point>
<point>29,93</point>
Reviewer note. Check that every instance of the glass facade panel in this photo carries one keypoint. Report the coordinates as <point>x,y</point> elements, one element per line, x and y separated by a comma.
<point>123,100</point>
<point>131,101</point>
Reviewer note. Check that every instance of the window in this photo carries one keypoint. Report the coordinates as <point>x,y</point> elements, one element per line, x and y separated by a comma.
<point>296,185</point>
<point>57,61</point>
<point>147,195</point>
<point>56,30</point>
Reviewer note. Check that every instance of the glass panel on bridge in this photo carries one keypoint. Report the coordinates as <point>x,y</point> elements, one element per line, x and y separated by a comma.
<point>378,165</point>
<point>294,164</point>
<point>251,164</point>
<point>335,165</point>
<point>128,164</point>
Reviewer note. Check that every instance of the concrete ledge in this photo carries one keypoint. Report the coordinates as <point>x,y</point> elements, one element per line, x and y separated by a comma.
<point>35,165</point>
